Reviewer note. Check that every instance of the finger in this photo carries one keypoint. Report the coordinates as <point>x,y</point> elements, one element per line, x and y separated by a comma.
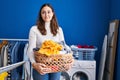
<point>46,69</point>
<point>41,71</point>
<point>43,65</point>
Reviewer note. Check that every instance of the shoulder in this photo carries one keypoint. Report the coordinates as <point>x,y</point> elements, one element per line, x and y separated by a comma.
<point>33,28</point>
<point>60,29</point>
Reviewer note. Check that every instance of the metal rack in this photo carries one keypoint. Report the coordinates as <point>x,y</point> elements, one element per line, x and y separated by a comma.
<point>13,39</point>
<point>12,66</point>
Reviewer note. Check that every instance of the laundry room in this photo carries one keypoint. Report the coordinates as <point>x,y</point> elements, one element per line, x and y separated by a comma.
<point>85,26</point>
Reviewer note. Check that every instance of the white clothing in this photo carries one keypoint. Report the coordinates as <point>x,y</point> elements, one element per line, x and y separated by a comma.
<point>36,38</point>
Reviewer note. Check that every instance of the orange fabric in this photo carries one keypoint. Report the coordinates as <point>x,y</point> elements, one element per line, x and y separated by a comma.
<point>4,42</point>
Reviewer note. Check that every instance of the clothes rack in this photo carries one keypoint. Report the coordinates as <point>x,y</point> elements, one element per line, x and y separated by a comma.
<point>12,66</point>
<point>13,39</point>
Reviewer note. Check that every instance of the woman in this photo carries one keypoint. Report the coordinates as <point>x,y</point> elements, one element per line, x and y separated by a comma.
<point>46,29</point>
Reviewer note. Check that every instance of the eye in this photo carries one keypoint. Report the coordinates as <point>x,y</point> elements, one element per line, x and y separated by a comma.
<point>49,12</point>
<point>43,12</point>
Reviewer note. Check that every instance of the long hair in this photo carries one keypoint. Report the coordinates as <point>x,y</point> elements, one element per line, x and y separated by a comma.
<point>53,23</point>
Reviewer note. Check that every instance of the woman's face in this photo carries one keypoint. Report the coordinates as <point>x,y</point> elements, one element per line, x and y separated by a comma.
<point>46,14</point>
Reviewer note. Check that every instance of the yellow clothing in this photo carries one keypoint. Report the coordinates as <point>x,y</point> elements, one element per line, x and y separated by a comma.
<point>3,75</point>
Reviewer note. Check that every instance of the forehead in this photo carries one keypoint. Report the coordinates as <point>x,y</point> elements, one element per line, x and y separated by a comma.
<point>45,8</point>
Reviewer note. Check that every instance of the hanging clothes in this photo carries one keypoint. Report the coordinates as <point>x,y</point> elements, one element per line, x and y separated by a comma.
<point>12,52</point>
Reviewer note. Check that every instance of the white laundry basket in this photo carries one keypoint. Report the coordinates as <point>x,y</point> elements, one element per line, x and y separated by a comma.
<point>84,53</point>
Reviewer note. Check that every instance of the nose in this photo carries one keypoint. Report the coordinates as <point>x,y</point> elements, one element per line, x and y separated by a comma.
<point>46,14</point>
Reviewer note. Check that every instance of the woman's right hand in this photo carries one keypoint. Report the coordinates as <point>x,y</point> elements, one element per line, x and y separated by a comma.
<point>41,68</point>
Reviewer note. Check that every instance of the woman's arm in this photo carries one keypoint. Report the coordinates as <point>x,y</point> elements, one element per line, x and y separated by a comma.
<point>41,68</point>
<point>31,45</point>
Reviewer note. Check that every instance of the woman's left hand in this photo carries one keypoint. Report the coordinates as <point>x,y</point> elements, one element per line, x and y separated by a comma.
<point>67,67</point>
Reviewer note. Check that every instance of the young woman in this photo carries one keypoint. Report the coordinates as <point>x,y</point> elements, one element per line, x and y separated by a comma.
<point>47,28</point>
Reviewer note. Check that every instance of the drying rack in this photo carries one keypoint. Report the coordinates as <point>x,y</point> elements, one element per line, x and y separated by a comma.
<point>13,39</point>
<point>12,66</point>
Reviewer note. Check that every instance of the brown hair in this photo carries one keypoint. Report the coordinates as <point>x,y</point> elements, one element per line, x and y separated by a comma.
<point>41,23</point>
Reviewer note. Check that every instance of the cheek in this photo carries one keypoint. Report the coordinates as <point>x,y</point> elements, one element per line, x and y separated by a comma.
<point>42,16</point>
<point>51,16</point>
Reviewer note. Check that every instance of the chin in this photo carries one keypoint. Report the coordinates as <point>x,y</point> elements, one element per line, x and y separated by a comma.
<point>47,20</point>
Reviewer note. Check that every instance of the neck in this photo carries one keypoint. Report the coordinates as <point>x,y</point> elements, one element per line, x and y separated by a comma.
<point>47,23</point>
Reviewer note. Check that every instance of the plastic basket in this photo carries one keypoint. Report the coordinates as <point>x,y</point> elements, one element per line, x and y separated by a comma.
<point>84,53</point>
